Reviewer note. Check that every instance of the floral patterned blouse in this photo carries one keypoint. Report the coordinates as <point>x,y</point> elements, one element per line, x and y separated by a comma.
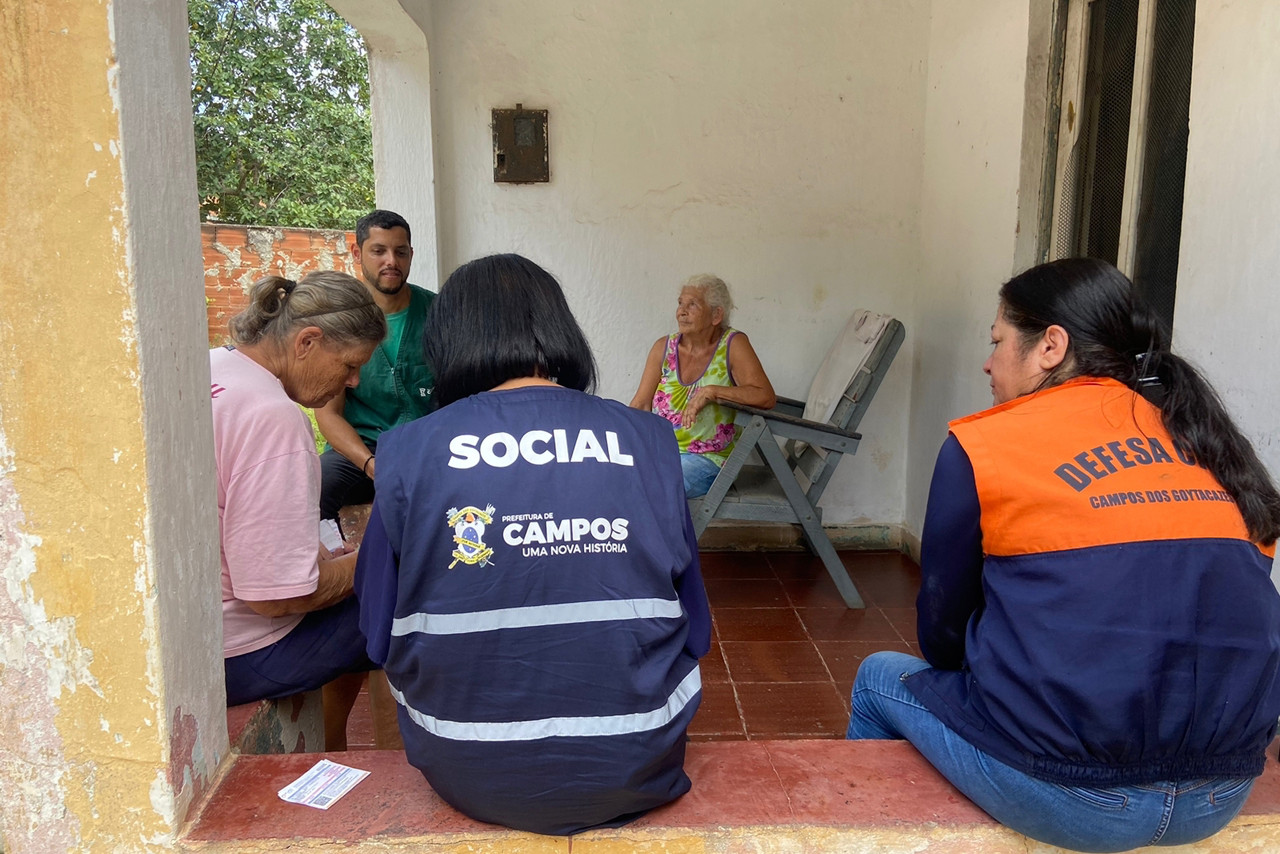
<point>712,433</point>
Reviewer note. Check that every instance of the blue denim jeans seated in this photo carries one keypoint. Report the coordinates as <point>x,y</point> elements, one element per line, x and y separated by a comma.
<point>1081,818</point>
<point>699,473</point>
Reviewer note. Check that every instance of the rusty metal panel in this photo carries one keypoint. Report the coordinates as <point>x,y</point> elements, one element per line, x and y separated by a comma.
<point>520,152</point>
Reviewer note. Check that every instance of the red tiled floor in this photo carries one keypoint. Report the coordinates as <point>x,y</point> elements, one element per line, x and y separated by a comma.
<point>843,623</point>
<point>784,647</point>
<point>843,657</point>
<point>736,565</point>
<point>757,624</point>
<point>745,593</point>
<point>774,661</point>
<point>718,715</point>
<point>713,667</point>
<point>792,709</point>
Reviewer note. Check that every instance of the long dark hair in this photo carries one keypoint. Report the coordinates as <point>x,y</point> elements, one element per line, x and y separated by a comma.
<point>1112,333</point>
<point>501,318</point>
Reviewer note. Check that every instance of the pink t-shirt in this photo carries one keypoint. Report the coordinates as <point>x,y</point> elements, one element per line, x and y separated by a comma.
<point>268,499</point>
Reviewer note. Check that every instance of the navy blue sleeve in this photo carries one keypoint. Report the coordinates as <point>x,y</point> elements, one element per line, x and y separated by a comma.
<point>377,576</point>
<point>693,596</point>
<point>950,559</point>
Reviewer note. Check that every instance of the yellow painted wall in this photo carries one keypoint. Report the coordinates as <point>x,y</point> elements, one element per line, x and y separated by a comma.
<point>83,737</point>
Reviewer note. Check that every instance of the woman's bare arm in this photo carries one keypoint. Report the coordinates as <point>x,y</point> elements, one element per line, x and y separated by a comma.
<point>649,379</point>
<point>751,384</point>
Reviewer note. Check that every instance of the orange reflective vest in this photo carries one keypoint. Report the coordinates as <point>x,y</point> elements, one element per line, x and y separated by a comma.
<point>1088,463</point>
<point>1129,631</point>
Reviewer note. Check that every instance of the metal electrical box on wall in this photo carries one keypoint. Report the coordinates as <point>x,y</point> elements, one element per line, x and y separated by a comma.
<point>520,146</point>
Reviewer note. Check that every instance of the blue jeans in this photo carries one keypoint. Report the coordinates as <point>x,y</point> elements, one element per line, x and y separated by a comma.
<point>1082,818</point>
<point>699,473</point>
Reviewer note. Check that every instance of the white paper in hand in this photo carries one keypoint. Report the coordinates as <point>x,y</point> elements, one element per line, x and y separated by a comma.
<point>322,785</point>
<point>330,535</point>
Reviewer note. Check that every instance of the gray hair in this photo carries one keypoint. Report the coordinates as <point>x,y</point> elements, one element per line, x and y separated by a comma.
<point>337,304</point>
<point>714,291</point>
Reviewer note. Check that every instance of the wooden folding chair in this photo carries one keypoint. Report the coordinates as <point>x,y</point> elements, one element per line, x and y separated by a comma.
<point>791,480</point>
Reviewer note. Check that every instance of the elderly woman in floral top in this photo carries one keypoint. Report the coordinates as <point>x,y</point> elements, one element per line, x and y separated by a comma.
<point>690,373</point>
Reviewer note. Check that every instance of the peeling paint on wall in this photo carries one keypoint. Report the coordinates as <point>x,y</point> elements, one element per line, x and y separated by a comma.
<point>31,664</point>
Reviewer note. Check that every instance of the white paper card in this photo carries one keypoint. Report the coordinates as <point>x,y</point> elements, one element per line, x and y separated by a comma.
<point>330,535</point>
<point>322,785</point>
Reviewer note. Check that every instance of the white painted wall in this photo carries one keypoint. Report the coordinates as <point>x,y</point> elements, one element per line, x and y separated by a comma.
<point>1227,317</point>
<point>969,213</point>
<point>777,145</point>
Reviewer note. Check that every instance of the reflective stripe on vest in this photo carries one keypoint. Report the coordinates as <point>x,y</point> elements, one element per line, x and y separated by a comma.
<point>558,727</point>
<point>536,615</point>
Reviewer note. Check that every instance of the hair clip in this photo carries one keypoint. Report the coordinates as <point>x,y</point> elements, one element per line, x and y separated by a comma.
<point>1150,379</point>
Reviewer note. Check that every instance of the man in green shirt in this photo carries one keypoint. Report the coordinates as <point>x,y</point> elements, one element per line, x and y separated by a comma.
<point>395,385</point>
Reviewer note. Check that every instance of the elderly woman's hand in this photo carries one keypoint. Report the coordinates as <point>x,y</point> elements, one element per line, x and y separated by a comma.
<point>701,397</point>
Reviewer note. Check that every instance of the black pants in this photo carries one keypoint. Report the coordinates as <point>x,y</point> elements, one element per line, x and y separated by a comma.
<point>342,483</point>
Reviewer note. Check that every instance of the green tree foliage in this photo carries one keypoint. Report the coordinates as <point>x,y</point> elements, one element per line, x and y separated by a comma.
<point>280,91</point>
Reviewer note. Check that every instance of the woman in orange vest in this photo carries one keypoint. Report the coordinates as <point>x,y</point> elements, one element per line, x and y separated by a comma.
<point>1100,632</point>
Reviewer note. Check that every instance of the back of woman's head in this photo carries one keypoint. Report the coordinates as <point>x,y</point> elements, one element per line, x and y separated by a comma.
<point>1112,333</point>
<point>334,302</point>
<point>501,318</point>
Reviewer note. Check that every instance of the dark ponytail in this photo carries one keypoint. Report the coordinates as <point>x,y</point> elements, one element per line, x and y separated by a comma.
<point>1113,334</point>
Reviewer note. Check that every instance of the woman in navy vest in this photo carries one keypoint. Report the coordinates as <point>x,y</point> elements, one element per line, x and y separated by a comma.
<point>529,578</point>
<point>1101,634</point>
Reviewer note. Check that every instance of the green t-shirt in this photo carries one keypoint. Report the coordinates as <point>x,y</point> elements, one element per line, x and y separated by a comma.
<point>395,330</point>
<point>396,383</point>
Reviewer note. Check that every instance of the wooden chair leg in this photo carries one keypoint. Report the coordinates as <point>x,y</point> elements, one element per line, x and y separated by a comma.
<point>819,543</point>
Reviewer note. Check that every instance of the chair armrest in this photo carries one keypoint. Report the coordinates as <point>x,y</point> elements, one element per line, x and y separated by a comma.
<point>791,427</point>
<point>790,406</point>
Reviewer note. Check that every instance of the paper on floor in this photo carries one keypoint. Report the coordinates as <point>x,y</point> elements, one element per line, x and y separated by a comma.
<point>321,786</point>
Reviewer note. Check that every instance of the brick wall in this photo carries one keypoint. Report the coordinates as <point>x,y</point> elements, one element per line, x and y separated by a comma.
<point>236,256</point>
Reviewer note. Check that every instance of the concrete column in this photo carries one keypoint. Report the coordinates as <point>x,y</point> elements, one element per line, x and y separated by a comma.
<point>112,711</point>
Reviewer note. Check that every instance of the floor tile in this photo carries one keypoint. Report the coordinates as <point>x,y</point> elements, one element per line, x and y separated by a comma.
<point>745,593</point>
<point>864,624</point>
<point>889,580</point>
<point>903,621</point>
<point>843,657</point>
<point>774,661</point>
<point>758,624</point>
<point>712,666</point>
<point>792,709</point>
<point>796,565</point>
<point>718,712</point>
<point>735,565</point>
<point>818,591</point>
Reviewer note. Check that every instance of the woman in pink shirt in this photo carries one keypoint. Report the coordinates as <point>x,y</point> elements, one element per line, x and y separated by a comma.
<point>289,621</point>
